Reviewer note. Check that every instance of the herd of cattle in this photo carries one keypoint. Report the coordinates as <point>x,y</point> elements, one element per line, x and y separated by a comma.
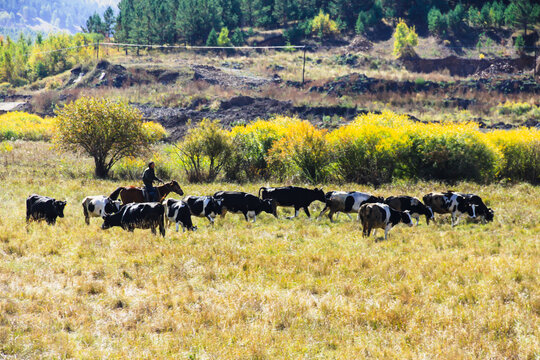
<point>373,212</point>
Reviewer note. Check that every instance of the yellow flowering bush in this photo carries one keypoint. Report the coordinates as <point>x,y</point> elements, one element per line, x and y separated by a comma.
<point>19,125</point>
<point>520,150</point>
<point>154,132</point>
<point>302,152</point>
<point>515,107</point>
<point>365,150</point>
<point>251,144</point>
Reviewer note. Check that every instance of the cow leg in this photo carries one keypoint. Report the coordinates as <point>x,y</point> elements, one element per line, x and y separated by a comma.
<point>386,229</point>
<point>306,210</point>
<point>323,211</point>
<point>223,212</point>
<point>375,233</point>
<point>417,219</point>
<point>296,211</point>
<point>162,228</point>
<point>350,218</point>
<point>211,219</point>
<point>153,229</point>
<point>331,215</point>
<point>254,217</point>
<point>245,216</point>
<point>178,226</point>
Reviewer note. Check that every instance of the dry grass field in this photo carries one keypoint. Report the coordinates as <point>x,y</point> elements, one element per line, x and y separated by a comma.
<point>284,289</point>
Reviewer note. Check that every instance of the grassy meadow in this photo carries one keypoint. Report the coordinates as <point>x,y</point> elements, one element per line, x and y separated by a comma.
<point>274,289</point>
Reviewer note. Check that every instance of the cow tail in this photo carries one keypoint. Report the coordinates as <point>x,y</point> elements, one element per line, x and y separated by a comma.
<point>261,188</point>
<point>115,193</point>
<point>162,221</point>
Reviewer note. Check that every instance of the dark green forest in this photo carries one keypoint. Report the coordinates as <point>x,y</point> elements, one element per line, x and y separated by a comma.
<point>192,21</point>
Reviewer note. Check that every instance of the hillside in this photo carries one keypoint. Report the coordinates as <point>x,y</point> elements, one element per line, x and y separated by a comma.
<point>31,16</point>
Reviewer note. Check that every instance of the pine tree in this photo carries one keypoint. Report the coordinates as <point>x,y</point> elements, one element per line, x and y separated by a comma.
<point>212,38</point>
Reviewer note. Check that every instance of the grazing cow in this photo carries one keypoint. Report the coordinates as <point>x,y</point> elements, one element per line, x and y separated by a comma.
<point>99,205</point>
<point>297,197</point>
<point>44,208</point>
<point>177,211</point>
<point>347,202</point>
<point>481,210</point>
<point>204,206</point>
<point>241,202</point>
<point>414,205</point>
<point>450,202</point>
<point>379,215</point>
<point>137,215</point>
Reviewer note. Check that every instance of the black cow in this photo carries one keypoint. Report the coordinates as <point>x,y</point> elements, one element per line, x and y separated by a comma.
<point>347,202</point>
<point>297,197</point>
<point>206,206</point>
<point>44,208</point>
<point>414,205</point>
<point>137,215</point>
<point>450,202</point>
<point>382,216</point>
<point>178,212</point>
<point>241,202</point>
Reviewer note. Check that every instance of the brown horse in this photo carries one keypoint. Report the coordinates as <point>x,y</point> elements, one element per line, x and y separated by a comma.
<point>132,194</point>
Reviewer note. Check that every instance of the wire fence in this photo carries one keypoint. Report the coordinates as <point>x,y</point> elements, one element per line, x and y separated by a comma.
<point>304,48</point>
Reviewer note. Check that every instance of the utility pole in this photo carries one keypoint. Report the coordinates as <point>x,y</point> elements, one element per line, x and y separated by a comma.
<point>304,65</point>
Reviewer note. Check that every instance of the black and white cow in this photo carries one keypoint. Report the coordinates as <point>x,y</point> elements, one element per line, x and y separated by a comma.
<point>204,206</point>
<point>381,216</point>
<point>99,205</point>
<point>241,202</point>
<point>480,209</point>
<point>44,208</point>
<point>414,205</point>
<point>297,197</point>
<point>346,202</point>
<point>456,204</point>
<point>178,212</point>
<point>137,215</point>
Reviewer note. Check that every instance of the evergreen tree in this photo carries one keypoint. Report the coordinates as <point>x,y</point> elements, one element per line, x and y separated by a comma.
<point>212,38</point>
<point>108,21</point>
<point>521,13</point>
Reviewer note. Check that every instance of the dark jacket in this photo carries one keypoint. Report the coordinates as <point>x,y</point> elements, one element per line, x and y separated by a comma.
<point>149,176</point>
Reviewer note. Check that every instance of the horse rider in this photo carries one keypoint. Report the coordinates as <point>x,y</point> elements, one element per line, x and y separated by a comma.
<point>148,178</point>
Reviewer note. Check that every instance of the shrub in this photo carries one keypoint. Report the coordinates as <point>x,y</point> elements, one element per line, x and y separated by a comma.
<point>512,107</point>
<point>301,153</point>
<point>204,151</point>
<point>323,26</point>
<point>405,39</point>
<point>520,154</point>
<point>223,38</point>
<point>448,152</point>
<point>22,126</point>
<point>365,150</point>
<point>252,144</point>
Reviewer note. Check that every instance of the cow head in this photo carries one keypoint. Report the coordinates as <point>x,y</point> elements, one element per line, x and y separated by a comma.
<point>59,207</point>
<point>406,218</point>
<point>319,195</point>
<point>175,187</point>
<point>268,206</point>
<point>110,220</point>
<point>107,221</point>
<point>112,206</point>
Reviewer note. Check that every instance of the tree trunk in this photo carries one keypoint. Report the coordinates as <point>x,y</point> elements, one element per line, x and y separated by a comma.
<point>101,171</point>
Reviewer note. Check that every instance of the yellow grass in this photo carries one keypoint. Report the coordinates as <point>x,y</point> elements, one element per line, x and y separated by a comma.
<point>273,289</point>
